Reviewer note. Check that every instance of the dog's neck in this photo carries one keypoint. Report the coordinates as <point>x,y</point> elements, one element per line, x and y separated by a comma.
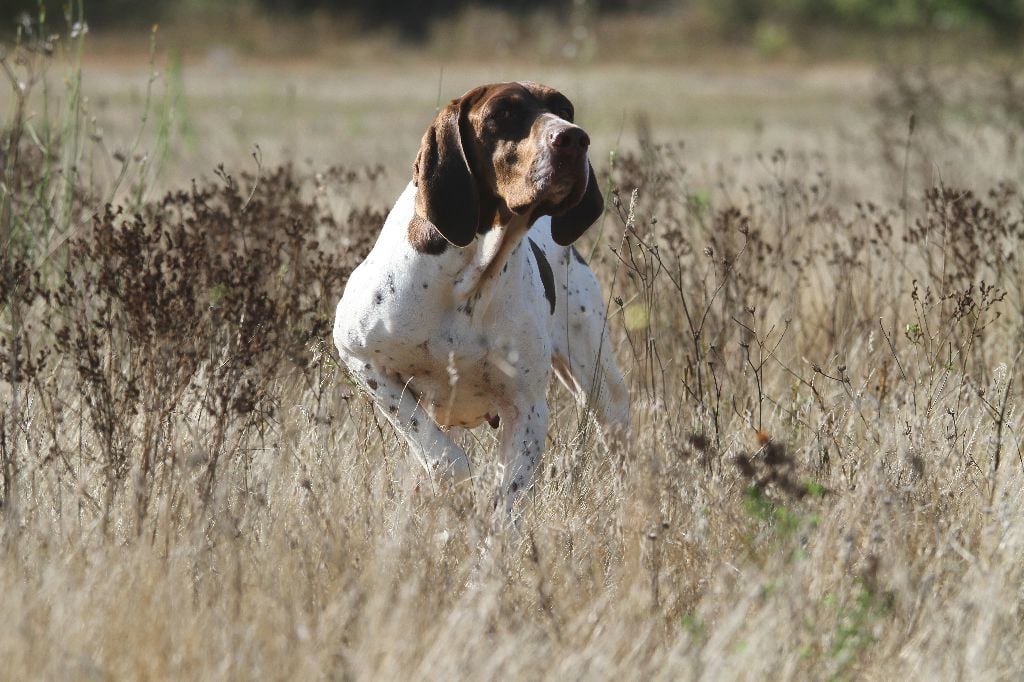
<point>481,264</point>
<point>486,258</point>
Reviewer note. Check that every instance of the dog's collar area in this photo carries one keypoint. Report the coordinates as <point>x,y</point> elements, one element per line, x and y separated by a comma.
<point>490,254</point>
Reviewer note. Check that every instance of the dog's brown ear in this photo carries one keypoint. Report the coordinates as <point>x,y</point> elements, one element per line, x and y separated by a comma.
<point>446,191</point>
<point>570,226</point>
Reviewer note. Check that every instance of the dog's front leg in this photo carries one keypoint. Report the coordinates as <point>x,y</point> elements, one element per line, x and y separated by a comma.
<point>443,460</point>
<point>522,442</point>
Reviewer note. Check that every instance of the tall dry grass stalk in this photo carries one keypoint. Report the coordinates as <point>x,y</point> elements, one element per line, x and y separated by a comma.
<point>825,477</point>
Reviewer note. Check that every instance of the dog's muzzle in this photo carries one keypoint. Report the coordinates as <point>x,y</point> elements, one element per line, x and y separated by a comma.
<point>565,168</point>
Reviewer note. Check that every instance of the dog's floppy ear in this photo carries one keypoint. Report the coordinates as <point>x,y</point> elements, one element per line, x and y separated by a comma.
<point>570,226</point>
<point>446,191</point>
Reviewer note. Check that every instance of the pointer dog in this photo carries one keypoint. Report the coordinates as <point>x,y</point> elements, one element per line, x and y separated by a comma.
<point>472,292</point>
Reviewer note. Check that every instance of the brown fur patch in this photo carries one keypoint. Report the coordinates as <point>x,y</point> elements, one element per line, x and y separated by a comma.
<point>425,238</point>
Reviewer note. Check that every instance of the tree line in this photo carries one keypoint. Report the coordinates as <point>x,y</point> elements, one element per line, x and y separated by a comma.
<point>1004,18</point>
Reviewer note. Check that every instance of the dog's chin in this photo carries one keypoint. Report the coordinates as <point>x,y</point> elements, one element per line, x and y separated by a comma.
<point>556,192</point>
<point>563,197</point>
<point>546,199</point>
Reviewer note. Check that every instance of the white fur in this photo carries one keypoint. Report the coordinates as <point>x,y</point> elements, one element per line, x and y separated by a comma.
<point>438,345</point>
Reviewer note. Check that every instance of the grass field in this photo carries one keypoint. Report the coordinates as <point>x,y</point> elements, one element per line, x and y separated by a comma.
<point>816,299</point>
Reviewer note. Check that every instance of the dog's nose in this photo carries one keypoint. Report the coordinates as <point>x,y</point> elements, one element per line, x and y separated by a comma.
<point>566,138</point>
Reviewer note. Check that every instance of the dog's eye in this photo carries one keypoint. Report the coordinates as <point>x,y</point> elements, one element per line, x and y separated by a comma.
<point>505,121</point>
<point>505,115</point>
<point>565,113</point>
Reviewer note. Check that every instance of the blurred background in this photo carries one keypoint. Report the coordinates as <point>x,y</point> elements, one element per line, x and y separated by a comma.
<point>771,23</point>
<point>324,82</point>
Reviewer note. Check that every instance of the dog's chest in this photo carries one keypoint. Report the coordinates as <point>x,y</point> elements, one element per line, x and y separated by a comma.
<point>465,363</point>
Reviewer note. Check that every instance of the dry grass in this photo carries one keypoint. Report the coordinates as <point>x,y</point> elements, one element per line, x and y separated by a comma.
<point>825,479</point>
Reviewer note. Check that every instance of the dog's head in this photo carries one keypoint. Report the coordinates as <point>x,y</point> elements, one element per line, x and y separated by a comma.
<point>501,150</point>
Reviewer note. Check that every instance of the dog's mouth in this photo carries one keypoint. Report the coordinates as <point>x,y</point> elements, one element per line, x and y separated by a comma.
<point>561,181</point>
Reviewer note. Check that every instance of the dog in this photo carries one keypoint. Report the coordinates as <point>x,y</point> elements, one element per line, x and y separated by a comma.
<point>473,292</point>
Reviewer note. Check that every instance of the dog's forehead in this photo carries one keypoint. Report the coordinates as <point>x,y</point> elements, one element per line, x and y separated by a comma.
<point>539,91</point>
<point>528,90</point>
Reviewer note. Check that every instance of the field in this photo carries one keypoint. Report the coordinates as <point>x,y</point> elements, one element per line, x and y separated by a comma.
<point>814,288</point>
